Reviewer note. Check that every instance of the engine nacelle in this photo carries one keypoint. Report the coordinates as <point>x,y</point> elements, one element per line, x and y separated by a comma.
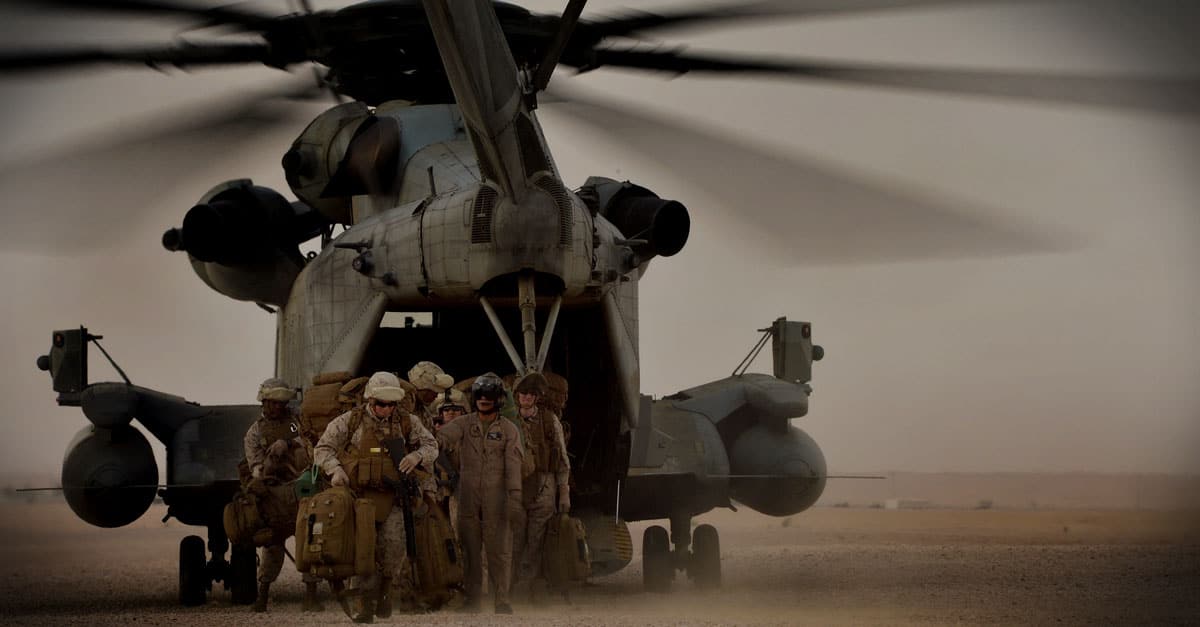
<point>778,473</point>
<point>654,226</point>
<point>242,240</point>
<point>317,168</point>
<point>109,476</point>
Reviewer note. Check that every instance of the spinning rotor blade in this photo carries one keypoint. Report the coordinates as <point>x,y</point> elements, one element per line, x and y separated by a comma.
<point>805,212</point>
<point>206,15</point>
<point>1163,95</point>
<point>634,23</point>
<point>181,56</point>
<point>85,198</point>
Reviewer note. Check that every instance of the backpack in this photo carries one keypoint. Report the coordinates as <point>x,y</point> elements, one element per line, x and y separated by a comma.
<point>335,535</point>
<point>241,519</point>
<point>439,567</point>
<point>565,554</point>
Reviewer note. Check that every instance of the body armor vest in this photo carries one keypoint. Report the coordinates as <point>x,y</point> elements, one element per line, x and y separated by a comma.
<point>271,430</point>
<point>541,440</point>
<point>368,464</point>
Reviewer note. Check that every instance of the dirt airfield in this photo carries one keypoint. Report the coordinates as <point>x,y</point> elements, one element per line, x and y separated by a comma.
<point>827,566</point>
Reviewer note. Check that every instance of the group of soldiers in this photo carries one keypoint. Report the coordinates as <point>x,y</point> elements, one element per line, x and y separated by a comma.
<point>512,476</point>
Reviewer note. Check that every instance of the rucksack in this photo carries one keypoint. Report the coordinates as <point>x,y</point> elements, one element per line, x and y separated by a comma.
<point>439,567</point>
<point>565,554</point>
<point>335,535</point>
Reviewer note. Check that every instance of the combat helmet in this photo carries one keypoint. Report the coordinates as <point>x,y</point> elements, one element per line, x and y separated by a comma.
<point>383,386</point>
<point>532,383</point>
<point>427,375</point>
<point>450,398</point>
<point>275,389</point>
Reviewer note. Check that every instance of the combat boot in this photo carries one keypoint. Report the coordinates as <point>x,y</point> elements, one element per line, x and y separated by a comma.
<point>503,608</point>
<point>260,604</point>
<point>311,603</point>
<point>365,610</point>
<point>383,607</point>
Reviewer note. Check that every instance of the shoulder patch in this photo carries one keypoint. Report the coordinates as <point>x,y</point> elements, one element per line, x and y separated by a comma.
<point>495,435</point>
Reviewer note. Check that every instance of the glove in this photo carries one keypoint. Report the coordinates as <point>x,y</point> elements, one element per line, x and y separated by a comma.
<point>409,462</point>
<point>564,501</point>
<point>339,478</point>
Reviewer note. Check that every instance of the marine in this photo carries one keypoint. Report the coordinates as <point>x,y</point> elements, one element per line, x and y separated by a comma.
<point>276,454</point>
<point>489,453</point>
<point>430,380</point>
<point>352,453</point>
<point>547,490</point>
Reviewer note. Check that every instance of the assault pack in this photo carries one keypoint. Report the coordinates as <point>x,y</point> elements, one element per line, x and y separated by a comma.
<point>565,554</point>
<point>335,535</point>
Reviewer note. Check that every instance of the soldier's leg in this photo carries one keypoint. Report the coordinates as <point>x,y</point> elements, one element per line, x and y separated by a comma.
<point>270,563</point>
<point>519,539</point>
<point>470,533</point>
<point>497,540</point>
<point>538,515</point>
<point>396,577</point>
<point>311,602</point>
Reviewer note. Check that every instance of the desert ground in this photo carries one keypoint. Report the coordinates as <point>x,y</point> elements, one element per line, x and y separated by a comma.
<point>827,566</point>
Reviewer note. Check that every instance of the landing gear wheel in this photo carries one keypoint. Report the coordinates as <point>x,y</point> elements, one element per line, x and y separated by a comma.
<point>657,569</point>
<point>705,564</point>
<point>243,586</point>
<point>193,579</point>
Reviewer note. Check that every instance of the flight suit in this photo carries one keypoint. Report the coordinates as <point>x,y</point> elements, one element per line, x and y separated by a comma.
<point>259,437</point>
<point>489,494</point>
<point>541,490</point>
<point>354,442</point>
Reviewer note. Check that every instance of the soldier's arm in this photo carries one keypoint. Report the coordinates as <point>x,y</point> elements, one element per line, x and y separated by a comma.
<point>335,438</point>
<point>513,454</point>
<point>450,435</point>
<point>562,474</point>
<point>255,454</point>
<point>426,445</point>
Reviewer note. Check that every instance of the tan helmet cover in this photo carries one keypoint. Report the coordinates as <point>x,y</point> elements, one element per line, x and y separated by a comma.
<point>450,396</point>
<point>384,386</point>
<point>427,375</point>
<point>275,389</point>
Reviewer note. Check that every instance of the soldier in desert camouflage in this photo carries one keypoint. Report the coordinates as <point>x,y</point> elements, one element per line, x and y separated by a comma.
<point>276,454</point>
<point>352,452</point>
<point>547,490</point>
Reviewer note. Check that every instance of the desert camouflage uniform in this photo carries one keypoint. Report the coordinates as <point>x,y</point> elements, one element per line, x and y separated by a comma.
<point>259,437</point>
<point>489,494</point>
<point>334,451</point>
<point>540,491</point>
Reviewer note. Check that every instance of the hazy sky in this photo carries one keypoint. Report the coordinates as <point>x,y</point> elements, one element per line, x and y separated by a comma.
<point>1077,357</point>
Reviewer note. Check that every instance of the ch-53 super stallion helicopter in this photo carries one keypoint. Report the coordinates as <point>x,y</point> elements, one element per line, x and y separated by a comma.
<point>451,203</point>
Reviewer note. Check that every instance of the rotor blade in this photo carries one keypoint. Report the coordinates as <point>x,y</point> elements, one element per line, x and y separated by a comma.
<point>566,26</point>
<point>804,212</point>
<point>85,198</point>
<point>181,56</point>
<point>636,22</point>
<point>206,15</point>
<point>1163,95</point>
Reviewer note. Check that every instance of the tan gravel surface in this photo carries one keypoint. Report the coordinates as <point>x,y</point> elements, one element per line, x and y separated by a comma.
<point>828,566</point>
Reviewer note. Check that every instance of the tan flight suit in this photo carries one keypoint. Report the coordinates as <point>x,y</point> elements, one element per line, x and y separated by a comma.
<point>489,488</point>
<point>540,490</point>
<point>354,442</point>
<point>259,437</point>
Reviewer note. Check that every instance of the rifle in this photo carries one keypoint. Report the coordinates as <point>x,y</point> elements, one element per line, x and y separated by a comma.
<point>406,488</point>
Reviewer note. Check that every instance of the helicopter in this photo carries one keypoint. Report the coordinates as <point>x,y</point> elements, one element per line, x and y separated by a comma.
<point>449,202</point>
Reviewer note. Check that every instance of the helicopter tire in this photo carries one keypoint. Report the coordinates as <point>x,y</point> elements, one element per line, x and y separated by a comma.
<point>243,584</point>
<point>705,564</point>
<point>193,579</point>
<point>657,569</point>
